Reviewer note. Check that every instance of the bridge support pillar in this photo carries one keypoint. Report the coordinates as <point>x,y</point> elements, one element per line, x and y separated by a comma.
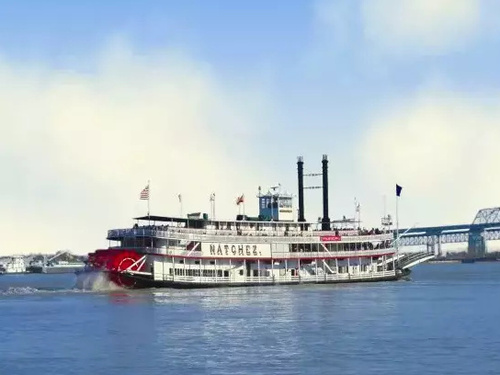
<point>431,244</point>
<point>476,244</point>
<point>439,251</point>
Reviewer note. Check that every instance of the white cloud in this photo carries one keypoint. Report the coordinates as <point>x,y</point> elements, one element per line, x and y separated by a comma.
<point>76,149</point>
<point>403,28</point>
<point>442,147</point>
<point>420,26</point>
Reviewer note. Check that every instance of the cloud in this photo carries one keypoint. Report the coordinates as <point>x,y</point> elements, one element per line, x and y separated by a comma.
<point>77,148</point>
<point>405,27</point>
<point>442,147</point>
<point>427,26</point>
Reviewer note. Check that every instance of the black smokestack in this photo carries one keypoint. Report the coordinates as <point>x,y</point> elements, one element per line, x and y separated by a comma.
<point>300,170</point>
<point>325,223</point>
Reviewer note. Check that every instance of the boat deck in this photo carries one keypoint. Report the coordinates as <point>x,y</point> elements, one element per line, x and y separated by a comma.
<point>214,282</point>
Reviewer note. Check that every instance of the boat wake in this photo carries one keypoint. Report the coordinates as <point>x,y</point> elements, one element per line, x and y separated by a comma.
<point>85,282</point>
<point>19,290</point>
<point>95,281</point>
<point>29,290</point>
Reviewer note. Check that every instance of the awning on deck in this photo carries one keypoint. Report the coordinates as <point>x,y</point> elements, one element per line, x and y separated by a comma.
<point>162,219</point>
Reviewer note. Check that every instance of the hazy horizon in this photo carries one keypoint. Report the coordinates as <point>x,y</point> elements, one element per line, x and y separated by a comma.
<point>221,97</point>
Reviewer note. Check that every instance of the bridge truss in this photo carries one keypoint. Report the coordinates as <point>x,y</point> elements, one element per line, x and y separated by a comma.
<point>485,227</point>
<point>487,216</point>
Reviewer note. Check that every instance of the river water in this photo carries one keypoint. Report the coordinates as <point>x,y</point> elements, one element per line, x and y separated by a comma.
<point>444,321</point>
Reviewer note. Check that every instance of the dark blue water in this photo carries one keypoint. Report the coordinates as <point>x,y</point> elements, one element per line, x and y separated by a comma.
<point>444,321</point>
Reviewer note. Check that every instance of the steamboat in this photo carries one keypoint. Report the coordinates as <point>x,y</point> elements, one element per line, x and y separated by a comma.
<point>271,249</point>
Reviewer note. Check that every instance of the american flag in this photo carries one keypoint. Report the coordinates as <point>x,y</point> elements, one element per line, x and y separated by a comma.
<point>145,193</point>
<point>240,199</point>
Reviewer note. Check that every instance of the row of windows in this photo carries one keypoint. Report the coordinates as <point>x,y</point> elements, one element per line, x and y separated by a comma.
<point>314,247</point>
<point>362,268</point>
<point>181,261</point>
<point>283,202</point>
<point>219,273</point>
<point>198,273</point>
<point>254,273</point>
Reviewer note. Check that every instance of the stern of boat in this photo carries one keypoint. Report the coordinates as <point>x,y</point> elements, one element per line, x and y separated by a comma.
<point>120,266</point>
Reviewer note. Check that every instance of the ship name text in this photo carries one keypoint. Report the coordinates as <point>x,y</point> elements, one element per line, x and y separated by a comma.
<point>235,250</point>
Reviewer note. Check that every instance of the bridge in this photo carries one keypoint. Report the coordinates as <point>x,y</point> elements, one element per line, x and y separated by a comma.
<point>484,227</point>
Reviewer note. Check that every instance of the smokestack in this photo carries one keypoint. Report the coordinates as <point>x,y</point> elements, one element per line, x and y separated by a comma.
<point>325,222</point>
<point>300,170</point>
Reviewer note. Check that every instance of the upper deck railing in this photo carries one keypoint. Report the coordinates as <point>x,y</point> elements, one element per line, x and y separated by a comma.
<point>248,236</point>
<point>276,254</point>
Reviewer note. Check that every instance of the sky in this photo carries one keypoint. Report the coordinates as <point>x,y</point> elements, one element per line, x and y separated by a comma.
<point>197,97</point>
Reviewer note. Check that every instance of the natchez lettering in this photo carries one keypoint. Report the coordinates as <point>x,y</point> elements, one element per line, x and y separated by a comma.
<point>238,250</point>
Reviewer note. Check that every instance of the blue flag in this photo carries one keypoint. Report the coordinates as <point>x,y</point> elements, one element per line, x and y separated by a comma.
<point>398,190</point>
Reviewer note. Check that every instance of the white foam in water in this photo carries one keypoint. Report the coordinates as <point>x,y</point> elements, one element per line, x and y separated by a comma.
<point>95,281</point>
<point>19,290</point>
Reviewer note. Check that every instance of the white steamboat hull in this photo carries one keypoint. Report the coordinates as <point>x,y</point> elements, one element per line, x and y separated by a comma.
<point>146,281</point>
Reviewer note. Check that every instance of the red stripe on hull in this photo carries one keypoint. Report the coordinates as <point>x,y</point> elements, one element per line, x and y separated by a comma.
<point>112,257</point>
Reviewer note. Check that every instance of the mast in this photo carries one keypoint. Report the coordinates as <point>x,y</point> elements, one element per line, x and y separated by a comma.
<point>325,222</point>
<point>300,173</point>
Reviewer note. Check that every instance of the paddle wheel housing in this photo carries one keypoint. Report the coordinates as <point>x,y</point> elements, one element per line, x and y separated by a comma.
<point>115,262</point>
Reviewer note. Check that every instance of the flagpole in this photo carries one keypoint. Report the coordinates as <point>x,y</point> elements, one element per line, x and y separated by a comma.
<point>397,225</point>
<point>180,203</point>
<point>357,213</point>
<point>212,206</point>
<point>149,195</point>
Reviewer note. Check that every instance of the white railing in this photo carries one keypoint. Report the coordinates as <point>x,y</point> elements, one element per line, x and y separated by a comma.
<point>222,236</point>
<point>281,279</point>
<point>325,254</point>
<point>276,255</point>
<point>273,254</point>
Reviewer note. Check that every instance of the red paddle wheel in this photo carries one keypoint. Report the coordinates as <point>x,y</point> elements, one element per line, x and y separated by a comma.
<point>115,261</point>
<point>122,261</point>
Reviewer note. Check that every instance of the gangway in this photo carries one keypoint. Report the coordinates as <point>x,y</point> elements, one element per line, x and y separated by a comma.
<point>409,260</point>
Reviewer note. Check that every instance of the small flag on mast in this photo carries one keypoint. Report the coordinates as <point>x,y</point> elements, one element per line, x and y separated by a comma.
<point>180,198</point>
<point>145,193</point>
<point>398,190</point>
<point>240,199</point>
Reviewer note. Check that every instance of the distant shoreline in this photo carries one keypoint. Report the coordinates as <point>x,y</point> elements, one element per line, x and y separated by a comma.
<point>464,260</point>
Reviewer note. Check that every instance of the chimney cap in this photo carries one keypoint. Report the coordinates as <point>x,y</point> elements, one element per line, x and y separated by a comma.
<point>325,157</point>
<point>300,158</point>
